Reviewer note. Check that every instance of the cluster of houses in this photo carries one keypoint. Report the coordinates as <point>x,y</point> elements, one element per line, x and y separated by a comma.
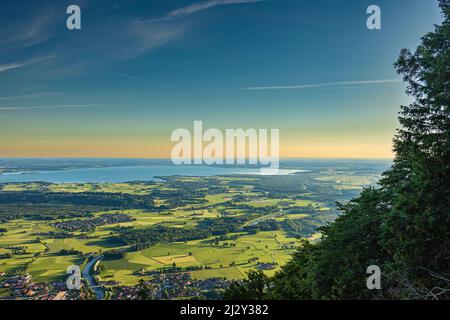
<point>108,283</point>
<point>266,266</point>
<point>90,224</point>
<point>22,287</point>
<point>171,286</point>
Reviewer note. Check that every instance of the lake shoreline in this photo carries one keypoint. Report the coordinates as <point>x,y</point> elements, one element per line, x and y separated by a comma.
<point>123,174</point>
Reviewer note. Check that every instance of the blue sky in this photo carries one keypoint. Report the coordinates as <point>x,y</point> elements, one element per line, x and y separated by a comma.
<point>139,69</point>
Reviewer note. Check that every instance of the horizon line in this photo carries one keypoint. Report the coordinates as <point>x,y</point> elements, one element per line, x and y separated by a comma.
<point>168,159</point>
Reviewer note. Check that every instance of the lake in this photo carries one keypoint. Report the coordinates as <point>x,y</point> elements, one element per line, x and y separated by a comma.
<point>126,173</point>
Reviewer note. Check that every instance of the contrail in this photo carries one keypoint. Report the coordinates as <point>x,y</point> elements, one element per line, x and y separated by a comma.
<point>324,84</point>
<point>130,77</point>
<point>200,6</point>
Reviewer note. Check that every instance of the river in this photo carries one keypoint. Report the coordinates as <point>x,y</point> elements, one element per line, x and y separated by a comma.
<point>86,273</point>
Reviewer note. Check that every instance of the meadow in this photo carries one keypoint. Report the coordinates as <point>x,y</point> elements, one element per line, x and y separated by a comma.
<point>236,225</point>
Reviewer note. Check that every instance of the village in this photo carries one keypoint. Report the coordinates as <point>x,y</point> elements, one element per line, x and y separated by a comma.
<point>90,224</point>
<point>160,286</point>
<point>172,286</point>
<point>21,287</point>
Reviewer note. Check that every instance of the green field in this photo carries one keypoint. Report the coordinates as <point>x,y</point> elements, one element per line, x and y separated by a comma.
<point>44,250</point>
<point>267,246</point>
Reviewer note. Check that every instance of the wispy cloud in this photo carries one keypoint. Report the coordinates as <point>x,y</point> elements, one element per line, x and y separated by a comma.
<point>10,66</point>
<point>119,39</point>
<point>200,6</point>
<point>115,38</point>
<point>16,65</point>
<point>123,39</point>
<point>32,30</point>
<point>124,75</point>
<point>62,106</point>
<point>30,95</point>
<point>146,35</point>
<point>141,36</point>
<point>325,84</point>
